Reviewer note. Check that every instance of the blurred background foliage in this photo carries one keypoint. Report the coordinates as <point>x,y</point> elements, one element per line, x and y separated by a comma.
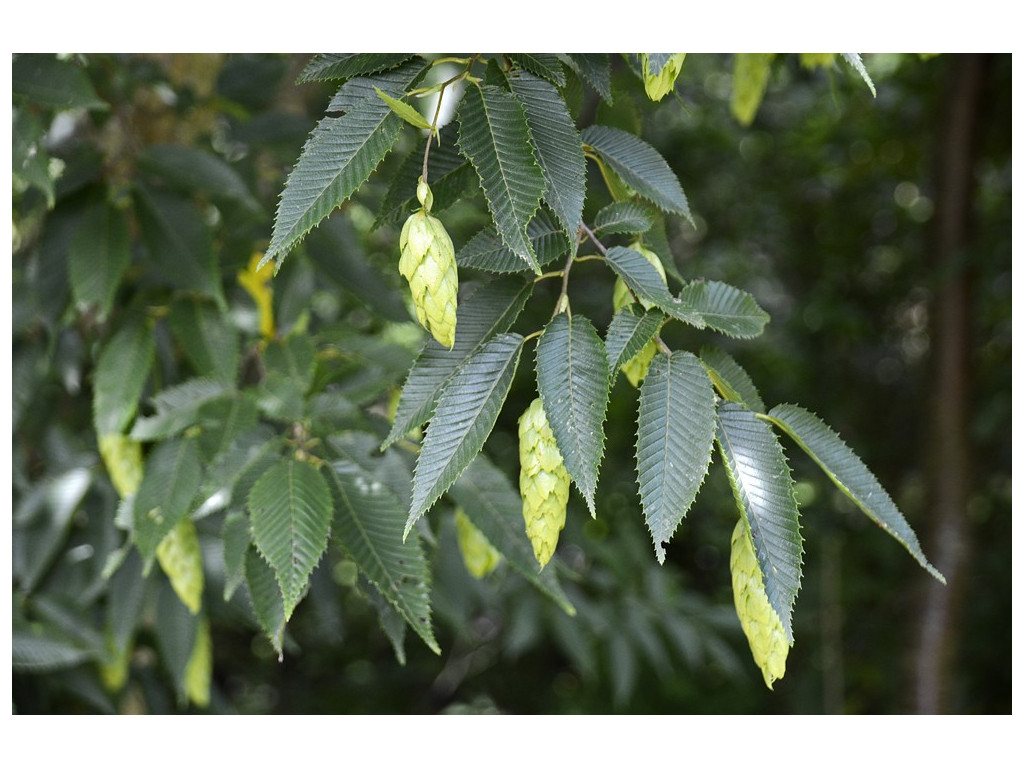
<point>825,208</point>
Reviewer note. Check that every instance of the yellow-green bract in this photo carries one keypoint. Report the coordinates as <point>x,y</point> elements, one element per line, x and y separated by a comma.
<point>636,367</point>
<point>477,553</point>
<point>543,482</point>
<point>657,86</point>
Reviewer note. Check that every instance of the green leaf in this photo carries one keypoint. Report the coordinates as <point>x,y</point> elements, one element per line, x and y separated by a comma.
<point>675,432</point>
<point>223,421</point>
<point>493,505</point>
<point>559,148</point>
<point>29,161</point>
<point>486,250</point>
<point>207,337</point>
<point>495,137</point>
<point>340,155</point>
<point>629,217</point>
<point>763,489</point>
<point>368,522</point>
<point>628,333</point>
<point>854,60</point>
<point>405,111</point>
<point>169,485</point>
<point>231,474</point>
<point>393,83</point>
<point>189,170</point>
<point>490,310</point>
<point>341,66</point>
<point>749,80</point>
<point>545,65</point>
<point>730,379</point>
<point>99,255</point>
<point>121,373</point>
<point>290,508</point>
<point>237,543</point>
<point>725,308</point>
<point>640,166</point>
<point>265,596</point>
<point>362,449</point>
<point>293,358</point>
<point>646,282</point>
<point>41,649</point>
<point>466,411</point>
<point>177,409</point>
<point>46,81</point>
<point>572,380</point>
<point>596,69</point>
<point>851,476</point>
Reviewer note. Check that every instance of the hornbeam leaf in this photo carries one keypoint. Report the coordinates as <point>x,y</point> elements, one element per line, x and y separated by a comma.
<point>675,432</point>
<point>559,148</point>
<point>494,506</point>
<point>596,69</point>
<point>730,379</point>
<point>490,310</point>
<point>177,408</point>
<point>340,66</point>
<point>464,417</point>
<point>207,337</point>
<point>639,165</point>
<point>368,522</point>
<point>725,308</point>
<point>851,476</point>
<point>646,282</point>
<point>629,217</point>
<point>165,495</point>
<point>495,137</point>
<point>628,333</point>
<point>290,507</point>
<point>121,373</point>
<point>339,156</point>
<point>854,60</point>
<point>486,250</point>
<point>763,489</point>
<point>188,170</point>
<point>572,380</point>
<point>393,83</point>
<point>265,596</point>
<point>99,255</point>
<point>237,543</point>
<point>545,65</point>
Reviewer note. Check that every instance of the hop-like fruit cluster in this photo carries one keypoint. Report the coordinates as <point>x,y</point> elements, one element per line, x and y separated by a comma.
<point>657,86</point>
<point>636,367</point>
<point>543,482</point>
<point>477,553</point>
<point>428,263</point>
<point>761,624</point>
<point>123,459</point>
<point>181,559</point>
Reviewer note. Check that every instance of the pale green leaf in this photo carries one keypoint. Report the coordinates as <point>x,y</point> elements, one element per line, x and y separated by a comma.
<point>290,509</point>
<point>572,380</point>
<point>763,489</point>
<point>639,165</point>
<point>466,411</point>
<point>494,506</point>
<point>99,255</point>
<point>490,309</point>
<point>675,432</point>
<point>44,80</point>
<point>558,146</point>
<point>486,250</point>
<point>341,66</point>
<point>165,496</point>
<point>646,282</point>
<point>265,596</point>
<point>207,337</point>
<point>368,522</point>
<point>854,60</point>
<point>629,217</point>
<point>730,379</point>
<point>545,65</point>
<point>749,80</point>
<point>495,137</point>
<point>850,475</point>
<point>595,69</point>
<point>405,111</point>
<point>121,373</point>
<point>725,308</point>
<point>628,333</point>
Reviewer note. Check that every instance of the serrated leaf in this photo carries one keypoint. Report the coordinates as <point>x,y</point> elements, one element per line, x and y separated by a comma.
<point>45,651</point>
<point>30,162</point>
<point>390,620</point>
<point>223,420</point>
<point>545,65</point>
<point>339,156</point>
<point>851,476</point>
<point>176,630</point>
<point>596,69</point>
<point>340,66</point>
<point>44,80</point>
<point>231,474</point>
<point>292,358</point>
<point>494,506</point>
<point>265,596</point>
<point>394,83</point>
<point>763,489</point>
<point>558,146</point>
<point>749,80</point>
<point>731,379</point>
<point>172,478</point>
<point>290,509</point>
<point>628,217</point>
<point>640,166</point>
<point>237,541</point>
<point>495,137</point>
<point>189,170</point>
<point>99,255</point>
<point>121,373</point>
<point>208,339</point>
<point>368,521</point>
<point>628,333</point>
<point>466,411</point>
<point>646,282</point>
<point>177,409</point>
<point>675,432</point>
<point>362,449</point>
<point>854,60</point>
<point>490,310</point>
<point>725,308</point>
<point>572,380</point>
<point>486,250</point>
<point>405,111</point>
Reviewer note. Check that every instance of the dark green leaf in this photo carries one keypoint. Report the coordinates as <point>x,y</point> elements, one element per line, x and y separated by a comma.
<point>596,69</point>
<point>495,137</point>
<point>572,380</point>
<point>265,596</point>
<point>486,251</point>
<point>393,83</point>
<point>177,409</point>
<point>628,333</point>
<point>466,411</point>
<point>545,65</point>
<point>224,420</point>
<point>99,256</point>
<point>850,475</point>
<point>46,81</point>
<point>29,161</point>
<point>646,282</point>
<point>731,379</point>
<point>237,541</point>
<point>675,432</point>
<point>629,217</point>
<point>176,630</point>
<point>340,66</point>
<point>39,649</point>
<point>763,488</point>
<point>362,449</point>
<point>126,595</point>
<point>293,358</point>
<point>725,308</point>
<point>290,509</point>
<point>190,170</point>
<point>208,339</point>
<point>121,373</point>
<point>165,495</point>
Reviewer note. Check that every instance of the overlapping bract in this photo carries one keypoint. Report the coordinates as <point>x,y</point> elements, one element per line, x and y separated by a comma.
<point>543,482</point>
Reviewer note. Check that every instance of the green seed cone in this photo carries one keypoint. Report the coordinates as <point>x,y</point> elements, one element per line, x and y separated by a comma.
<point>477,553</point>
<point>657,86</point>
<point>543,482</point>
<point>761,624</point>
